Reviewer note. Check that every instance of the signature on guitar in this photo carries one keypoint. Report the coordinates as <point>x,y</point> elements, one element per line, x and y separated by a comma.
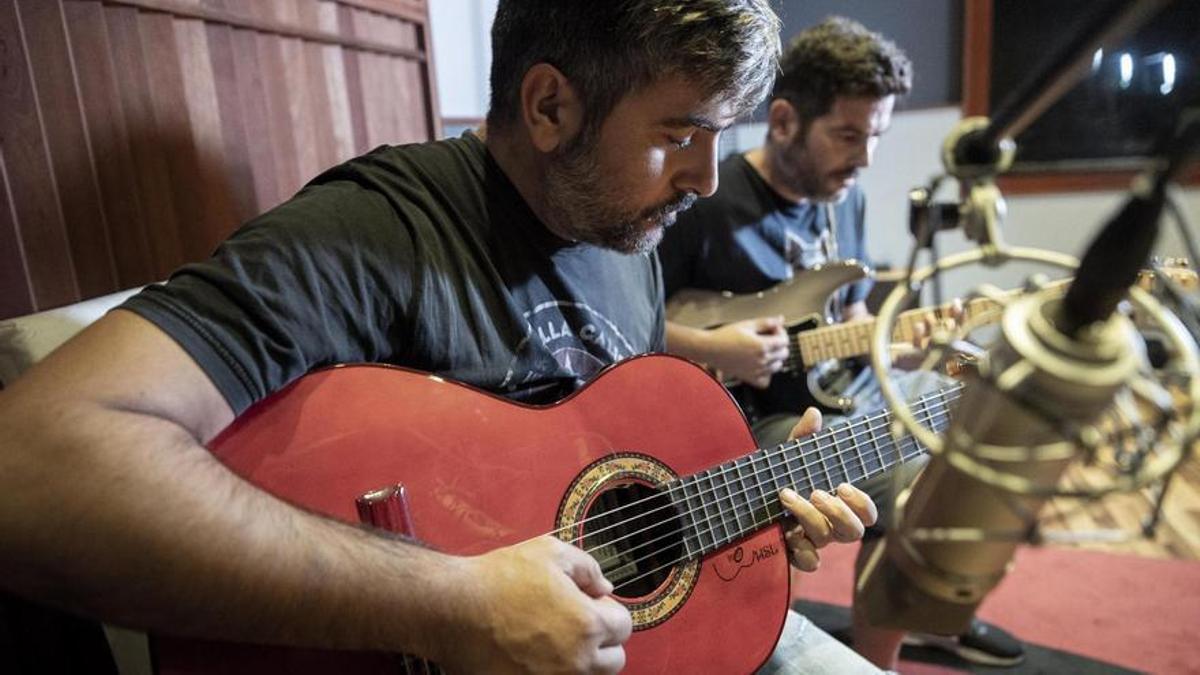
<point>730,565</point>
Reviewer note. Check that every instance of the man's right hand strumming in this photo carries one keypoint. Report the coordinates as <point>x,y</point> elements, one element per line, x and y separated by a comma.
<point>749,351</point>
<point>539,606</point>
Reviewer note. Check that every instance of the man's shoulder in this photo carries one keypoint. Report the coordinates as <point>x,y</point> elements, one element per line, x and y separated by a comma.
<point>454,159</point>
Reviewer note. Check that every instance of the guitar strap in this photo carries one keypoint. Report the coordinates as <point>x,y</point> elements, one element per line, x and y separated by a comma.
<point>831,254</point>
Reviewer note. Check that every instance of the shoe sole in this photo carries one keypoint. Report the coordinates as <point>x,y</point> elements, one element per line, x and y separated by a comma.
<point>965,653</point>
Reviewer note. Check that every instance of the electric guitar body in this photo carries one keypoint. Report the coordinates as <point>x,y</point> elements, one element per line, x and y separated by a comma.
<point>803,301</point>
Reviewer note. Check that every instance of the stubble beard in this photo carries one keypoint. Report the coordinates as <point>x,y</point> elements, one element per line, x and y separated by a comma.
<point>802,176</point>
<point>587,205</point>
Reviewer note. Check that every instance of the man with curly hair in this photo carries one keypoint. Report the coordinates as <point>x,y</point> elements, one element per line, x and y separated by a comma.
<point>793,204</point>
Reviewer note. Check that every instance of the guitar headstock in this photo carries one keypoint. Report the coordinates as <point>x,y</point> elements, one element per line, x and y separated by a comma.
<point>1178,270</point>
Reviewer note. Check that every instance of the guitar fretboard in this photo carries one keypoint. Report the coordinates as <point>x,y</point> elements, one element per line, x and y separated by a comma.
<point>733,500</point>
<point>846,340</point>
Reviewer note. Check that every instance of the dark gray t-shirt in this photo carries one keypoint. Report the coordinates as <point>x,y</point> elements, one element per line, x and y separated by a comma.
<point>423,256</point>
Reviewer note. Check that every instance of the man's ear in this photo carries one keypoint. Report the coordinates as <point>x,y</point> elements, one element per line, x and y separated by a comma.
<point>550,108</point>
<point>782,121</point>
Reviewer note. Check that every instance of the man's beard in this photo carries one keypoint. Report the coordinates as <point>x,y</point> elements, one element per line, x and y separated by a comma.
<point>587,205</point>
<point>800,175</point>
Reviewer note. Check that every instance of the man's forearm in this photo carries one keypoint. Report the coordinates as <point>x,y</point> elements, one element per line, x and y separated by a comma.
<point>156,533</point>
<point>691,343</point>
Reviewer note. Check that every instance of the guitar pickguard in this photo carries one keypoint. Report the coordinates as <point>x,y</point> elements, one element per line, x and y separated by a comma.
<point>801,298</point>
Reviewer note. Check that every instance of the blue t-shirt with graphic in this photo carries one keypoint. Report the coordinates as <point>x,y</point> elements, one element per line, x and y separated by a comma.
<point>747,237</point>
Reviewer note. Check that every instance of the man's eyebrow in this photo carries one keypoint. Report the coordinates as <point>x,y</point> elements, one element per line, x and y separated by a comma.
<point>696,121</point>
<point>849,126</point>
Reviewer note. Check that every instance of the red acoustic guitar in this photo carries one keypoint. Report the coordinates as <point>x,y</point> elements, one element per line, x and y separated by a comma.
<point>650,468</point>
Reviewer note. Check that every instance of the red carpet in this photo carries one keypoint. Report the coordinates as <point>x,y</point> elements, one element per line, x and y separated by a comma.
<point>1138,613</point>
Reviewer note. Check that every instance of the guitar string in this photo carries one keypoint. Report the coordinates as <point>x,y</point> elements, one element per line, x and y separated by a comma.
<point>687,556</point>
<point>736,510</point>
<point>867,425</point>
<point>837,331</point>
<point>864,426</point>
<point>720,514</point>
<point>782,451</point>
<point>822,440</point>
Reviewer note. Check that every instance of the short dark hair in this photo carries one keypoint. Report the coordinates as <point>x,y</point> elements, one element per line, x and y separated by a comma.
<point>609,48</point>
<point>839,57</point>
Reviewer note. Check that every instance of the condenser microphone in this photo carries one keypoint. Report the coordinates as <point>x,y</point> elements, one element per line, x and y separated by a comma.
<point>957,527</point>
<point>1056,366</point>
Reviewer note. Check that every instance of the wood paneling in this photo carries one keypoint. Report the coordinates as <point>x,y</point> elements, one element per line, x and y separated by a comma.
<point>136,134</point>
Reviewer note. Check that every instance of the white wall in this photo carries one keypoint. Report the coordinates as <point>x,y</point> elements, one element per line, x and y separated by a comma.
<point>462,54</point>
<point>908,156</point>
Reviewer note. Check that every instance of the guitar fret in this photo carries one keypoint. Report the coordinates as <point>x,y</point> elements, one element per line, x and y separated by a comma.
<point>837,474</point>
<point>739,496</point>
<point>687,517</point>
<point>841,456</point>
<point>777,484</point>
<point>879,454</point>
<point>749,493</point>
<point>846,340</point>
<point>709,511</point>
<point>701,493</point>
<point>921,414</point>
<point>870,431</point>
<point>805,466</point>
<point>744,496</point>
<point>762,515</point>
<point>790,465</point>
<point>824,466</point>
<point>736,496</point>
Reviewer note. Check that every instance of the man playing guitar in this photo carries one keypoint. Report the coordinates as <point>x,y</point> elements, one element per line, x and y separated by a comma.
<point>792,204</point>
<point>519,260</point>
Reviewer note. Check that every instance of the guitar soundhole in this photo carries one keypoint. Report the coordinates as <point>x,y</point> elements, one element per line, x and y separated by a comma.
<point>635,533</point>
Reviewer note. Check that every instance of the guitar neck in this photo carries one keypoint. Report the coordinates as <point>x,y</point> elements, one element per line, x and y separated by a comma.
<point>728,502</point>
<point>845,340</point>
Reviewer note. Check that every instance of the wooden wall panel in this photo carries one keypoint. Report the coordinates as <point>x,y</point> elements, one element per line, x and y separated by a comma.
<point>44,254</point>
<point>136,134</point>
<point>108,137</point>
<point>12,259</point>
<point>147,144</point>
<point>50,62</point>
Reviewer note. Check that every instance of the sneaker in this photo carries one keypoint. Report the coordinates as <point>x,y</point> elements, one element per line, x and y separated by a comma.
<point>983,644</point>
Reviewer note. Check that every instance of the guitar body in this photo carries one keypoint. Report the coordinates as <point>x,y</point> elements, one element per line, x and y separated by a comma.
<point>803,298</point>
<point>803,301</point>
<point>482,472</point>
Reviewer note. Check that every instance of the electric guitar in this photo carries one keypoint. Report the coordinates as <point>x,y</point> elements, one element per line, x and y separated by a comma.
<point>812,373</point>
<point>651,468</point>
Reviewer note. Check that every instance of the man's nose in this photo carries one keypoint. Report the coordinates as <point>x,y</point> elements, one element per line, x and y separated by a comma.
<point>698,173</point>
<point>865,153</point>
